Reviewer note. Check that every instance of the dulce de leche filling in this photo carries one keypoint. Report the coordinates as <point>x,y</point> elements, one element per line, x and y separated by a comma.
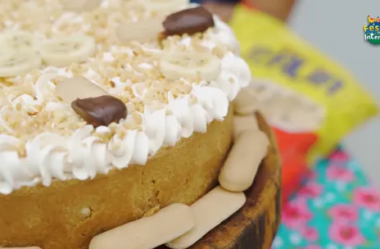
<point>89,85</point>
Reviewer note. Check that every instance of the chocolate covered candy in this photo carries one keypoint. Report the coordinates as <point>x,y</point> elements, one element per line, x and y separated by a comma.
<point>100,111</point>
<point>188,21</point>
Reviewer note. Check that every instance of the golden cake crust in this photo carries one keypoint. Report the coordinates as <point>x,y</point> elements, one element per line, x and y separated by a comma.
<point>68,214</point>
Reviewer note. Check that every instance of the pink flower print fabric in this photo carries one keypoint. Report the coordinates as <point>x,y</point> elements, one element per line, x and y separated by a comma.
<point>337,208</point>
<point>344,212</point>
<point>346,234</point>
<point>296,214</point>
<point>367,198</point>
<point>340,173</point>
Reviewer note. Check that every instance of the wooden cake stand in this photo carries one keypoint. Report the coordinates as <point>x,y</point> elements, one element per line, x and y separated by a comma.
<point>255,225</point>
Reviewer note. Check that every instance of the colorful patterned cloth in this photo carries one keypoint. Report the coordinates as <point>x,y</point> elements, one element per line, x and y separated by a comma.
<point>337,208</point>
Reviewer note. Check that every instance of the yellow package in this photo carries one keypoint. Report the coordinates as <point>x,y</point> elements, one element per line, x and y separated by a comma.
<point>300,90</point>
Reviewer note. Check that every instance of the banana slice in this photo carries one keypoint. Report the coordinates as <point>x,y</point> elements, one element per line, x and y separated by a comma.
<point>18,62</point>
<point>165,5</point>
<point>78,88</point>
<point>142,31</point>
<point>17,41</point>
<point>80,5</point>
<point>192,66</point>
<point>64,51</point>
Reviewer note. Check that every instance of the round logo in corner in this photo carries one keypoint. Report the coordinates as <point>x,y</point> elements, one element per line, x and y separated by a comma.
<point>372,30</point>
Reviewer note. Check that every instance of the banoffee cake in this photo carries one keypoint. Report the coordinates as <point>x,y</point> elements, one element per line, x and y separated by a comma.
<point>109,111</point>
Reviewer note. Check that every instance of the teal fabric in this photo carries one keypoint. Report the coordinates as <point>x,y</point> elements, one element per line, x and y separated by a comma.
<point>337,208</point>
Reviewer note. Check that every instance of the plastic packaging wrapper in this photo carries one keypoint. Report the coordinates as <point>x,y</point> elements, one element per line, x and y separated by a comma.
<point>309,100</point>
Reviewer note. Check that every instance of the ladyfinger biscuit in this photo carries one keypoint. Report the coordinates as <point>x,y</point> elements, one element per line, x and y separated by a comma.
<point>211,210</point>
<point>244,123</point>
<point>245,102</point>
<point>244,159</point>
<point>150,232</point>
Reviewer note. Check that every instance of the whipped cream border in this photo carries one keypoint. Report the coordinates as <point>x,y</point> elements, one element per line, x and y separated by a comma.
<point>82,156</point>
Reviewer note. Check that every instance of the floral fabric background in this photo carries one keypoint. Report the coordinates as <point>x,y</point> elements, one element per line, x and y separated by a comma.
<point>337,208</point>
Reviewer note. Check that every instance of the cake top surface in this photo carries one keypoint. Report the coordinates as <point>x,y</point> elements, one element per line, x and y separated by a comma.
<point>89,85</point>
